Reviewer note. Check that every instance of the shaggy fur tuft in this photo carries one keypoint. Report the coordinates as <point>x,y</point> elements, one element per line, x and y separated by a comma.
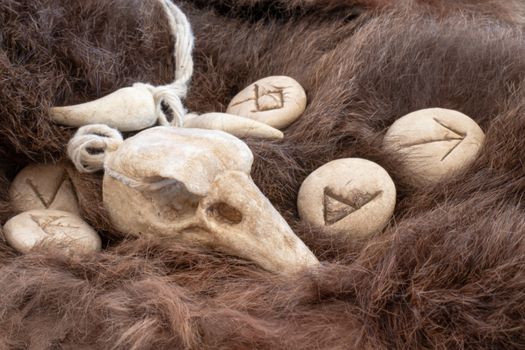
<point>447,273</point>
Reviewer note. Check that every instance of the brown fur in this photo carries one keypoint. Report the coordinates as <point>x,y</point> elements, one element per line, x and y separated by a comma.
<point>448,272</point>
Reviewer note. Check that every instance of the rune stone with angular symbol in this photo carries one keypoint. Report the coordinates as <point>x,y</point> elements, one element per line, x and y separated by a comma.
<point>352,196</point>
<point>434,144</point>
<point>277,101</point>
<point>44,187</point>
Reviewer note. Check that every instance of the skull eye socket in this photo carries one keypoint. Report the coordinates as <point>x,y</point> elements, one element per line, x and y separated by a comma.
<point>170,202</point>
<point>225,213</point>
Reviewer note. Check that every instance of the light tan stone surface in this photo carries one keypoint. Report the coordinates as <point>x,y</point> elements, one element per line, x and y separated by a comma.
<point>434,144</point>
<point>60,229</point>
<point>194,185</point>
<point>277,101</point>
<point>43,187</point>
<point>350,196</point>
<point>127,109</point>
<point>232,124</point>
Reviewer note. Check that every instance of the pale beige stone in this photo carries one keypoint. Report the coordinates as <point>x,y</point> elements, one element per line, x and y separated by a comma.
<point>194,185</point>
<point>434,144</point>
<point>127,109</point>
<point>232,124</point>
<point>43,187</point>
<point>56,228</point>
<point>277,101</point>
<point>350,196</point>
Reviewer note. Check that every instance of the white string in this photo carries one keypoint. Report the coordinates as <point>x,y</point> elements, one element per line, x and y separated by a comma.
<point>169,109</point>
<point>90,144</point>
<point>172,94</point>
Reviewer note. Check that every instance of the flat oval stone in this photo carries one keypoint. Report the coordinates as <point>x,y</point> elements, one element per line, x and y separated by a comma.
<point>350,196</point>
<point>277,101</point>
<point>434,144</point>
<point>60,229</point>
<point>43,187</point>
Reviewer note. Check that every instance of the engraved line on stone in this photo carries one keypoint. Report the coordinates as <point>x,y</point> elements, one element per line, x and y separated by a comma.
<point>257,95</point>
<point>336,208</point>
<point>279,100</point>
<point>45,222</point>
<point>243,101</point>
<point>256,92</point>
<point>419,143</point>
<point>451,150</point>
<point>73,188</point>
<point>37,192</point>
<point>459,133</point>
<point>40,196</point>
<point>461,136</point>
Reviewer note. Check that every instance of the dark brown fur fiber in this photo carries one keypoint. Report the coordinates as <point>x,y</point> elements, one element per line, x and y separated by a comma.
<point>447,273</point>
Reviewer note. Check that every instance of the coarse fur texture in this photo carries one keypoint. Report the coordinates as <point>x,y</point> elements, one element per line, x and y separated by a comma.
<point>447,273</point>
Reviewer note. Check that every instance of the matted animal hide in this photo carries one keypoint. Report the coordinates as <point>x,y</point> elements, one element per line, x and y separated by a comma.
<point>447,273</point>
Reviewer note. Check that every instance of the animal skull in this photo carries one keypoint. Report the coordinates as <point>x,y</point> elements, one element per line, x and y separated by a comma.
<point>195,184</point>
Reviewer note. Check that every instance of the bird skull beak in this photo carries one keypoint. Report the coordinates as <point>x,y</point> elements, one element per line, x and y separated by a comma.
<point>244,223</point>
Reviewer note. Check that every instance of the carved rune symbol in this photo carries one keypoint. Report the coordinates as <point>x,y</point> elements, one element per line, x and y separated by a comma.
<point>336,208</point>
<point>50,224</point>
<point>266,99</point>
<point>455,139</point>
<point>64,181</point>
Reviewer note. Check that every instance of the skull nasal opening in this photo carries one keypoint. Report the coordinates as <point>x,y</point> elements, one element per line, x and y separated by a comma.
<point>225,213</point>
